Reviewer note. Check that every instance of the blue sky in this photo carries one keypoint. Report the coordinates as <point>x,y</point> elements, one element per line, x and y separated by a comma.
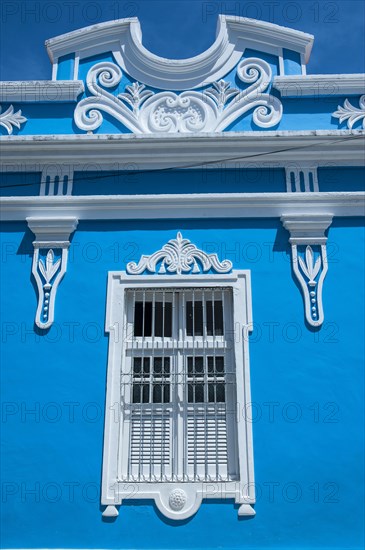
<point>179,28</point>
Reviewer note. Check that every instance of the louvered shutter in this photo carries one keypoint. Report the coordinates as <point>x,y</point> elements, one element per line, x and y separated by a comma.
<point>178,381</point>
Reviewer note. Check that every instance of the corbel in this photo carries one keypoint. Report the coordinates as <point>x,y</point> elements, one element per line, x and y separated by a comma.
<point>309,259</point>
<point>52,241</point>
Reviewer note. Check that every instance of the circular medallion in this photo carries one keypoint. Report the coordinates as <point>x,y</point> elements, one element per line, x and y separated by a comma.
<point>177,499</point>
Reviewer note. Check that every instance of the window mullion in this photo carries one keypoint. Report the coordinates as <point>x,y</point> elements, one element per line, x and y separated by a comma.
<point>205,385</point>
<point>179,411</point>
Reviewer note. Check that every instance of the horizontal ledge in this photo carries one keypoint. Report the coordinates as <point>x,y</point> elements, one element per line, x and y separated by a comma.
<point>182,150</point>
<point>235,205</point>
<point>320,84</point>
<point>40,91</point>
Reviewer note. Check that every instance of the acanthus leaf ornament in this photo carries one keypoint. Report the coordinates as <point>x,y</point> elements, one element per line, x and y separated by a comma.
<point>221,92</point>
<point>309,267</point>
<point>135,96</point>
<point>350,113</point>
<point>9,119</point>
<point>49,268</point>
<point>179,256</point>
<point>212,110</point>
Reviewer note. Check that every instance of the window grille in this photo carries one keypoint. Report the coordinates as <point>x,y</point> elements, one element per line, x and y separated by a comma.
<point>178,386</point>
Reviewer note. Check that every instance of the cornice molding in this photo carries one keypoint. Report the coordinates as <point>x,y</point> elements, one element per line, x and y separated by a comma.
<point>57,230</point>
<point>332,147</point>
<point>215,205</point>
<point>124,38</point>
<point>307,229</point>
<point>40,91</point>
<point>320,84</point>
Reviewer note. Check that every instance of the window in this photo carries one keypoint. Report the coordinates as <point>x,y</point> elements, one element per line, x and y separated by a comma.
<point>178,383</point>
<point>178,386</point>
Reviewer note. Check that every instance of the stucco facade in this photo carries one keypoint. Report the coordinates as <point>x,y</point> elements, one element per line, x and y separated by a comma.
<point>236,171</point>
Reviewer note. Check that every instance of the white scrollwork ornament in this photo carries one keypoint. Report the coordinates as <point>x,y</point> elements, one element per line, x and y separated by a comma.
<point>179,256</point>
<point>212,110</point>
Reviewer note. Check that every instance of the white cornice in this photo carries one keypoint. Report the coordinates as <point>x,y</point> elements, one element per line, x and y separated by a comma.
<point>320,84</point>
<point>307,229</point>
<point>215,205</point>
<point>43,91</point>
<point>221,150</point>
<point>124,38</point>
<point>51,228</point>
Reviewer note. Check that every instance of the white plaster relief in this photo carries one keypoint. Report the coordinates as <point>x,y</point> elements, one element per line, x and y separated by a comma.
<point>309,260</point>
<point>213,110</point>
<point>9,119</point>
<point>57,179</point>
<point>301,178</point>
<point>123,37</point>
<point>179,256</point>
<point>350,113</point>
<point>49,266</point>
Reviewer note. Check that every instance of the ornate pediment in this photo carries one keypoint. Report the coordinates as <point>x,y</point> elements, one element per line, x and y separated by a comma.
<point>148,94</point>
<point>123,38</point>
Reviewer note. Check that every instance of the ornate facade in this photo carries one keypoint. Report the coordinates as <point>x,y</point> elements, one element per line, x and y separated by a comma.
<point>178,232</point>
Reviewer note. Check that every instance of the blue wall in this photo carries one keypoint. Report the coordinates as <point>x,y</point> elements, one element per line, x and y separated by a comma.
<point>307,390</point>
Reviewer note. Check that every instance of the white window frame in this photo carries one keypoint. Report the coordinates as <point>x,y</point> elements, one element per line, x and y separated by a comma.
<point>178,500</point>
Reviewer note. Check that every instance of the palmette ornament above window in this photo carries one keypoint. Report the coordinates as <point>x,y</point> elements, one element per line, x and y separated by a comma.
<point>212,110</point>
<point>179,256</point>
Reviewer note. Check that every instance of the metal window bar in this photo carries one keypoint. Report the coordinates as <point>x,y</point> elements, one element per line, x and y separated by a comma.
<point>178,415</point>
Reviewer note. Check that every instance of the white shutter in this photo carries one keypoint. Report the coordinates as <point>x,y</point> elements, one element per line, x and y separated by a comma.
<point>176,382</point>
<point>207,444</point>
<point>150,445</point>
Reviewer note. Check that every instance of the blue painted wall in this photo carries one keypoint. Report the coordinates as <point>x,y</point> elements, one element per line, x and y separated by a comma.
<point>131,180</point>
<point>307,390</point>
<point>134,181</point>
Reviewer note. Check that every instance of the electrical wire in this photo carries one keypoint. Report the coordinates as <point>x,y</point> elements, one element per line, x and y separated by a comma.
<point>188,166</point>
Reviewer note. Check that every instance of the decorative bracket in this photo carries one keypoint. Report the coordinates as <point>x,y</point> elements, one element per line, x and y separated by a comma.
<point>49,261</point>
<point>309,259</point>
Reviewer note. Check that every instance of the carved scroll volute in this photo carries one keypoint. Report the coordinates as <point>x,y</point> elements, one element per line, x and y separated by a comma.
<point>49,262</point>
<point>145,111</point>
<point>309,259</point>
